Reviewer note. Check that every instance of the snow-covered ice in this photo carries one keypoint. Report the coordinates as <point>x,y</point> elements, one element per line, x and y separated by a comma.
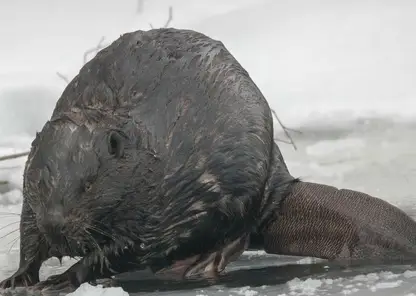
<point>87,289</point>
<point>342,72</point>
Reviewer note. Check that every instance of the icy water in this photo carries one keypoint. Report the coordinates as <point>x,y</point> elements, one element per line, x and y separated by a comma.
<point>375,155</point>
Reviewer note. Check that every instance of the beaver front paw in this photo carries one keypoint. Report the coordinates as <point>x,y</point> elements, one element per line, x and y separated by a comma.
<point>56,284</point>
<point>64,283</point>
<point>21,278</point>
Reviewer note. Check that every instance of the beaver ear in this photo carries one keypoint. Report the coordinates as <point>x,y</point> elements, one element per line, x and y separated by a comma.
<point>115,144</point>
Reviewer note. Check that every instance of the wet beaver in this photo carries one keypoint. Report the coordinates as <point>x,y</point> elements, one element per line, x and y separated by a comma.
<point>159,153</point>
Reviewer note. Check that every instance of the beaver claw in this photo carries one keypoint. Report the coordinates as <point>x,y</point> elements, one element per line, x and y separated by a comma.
<point>55,284</point>
<point>21,278</point>
<point>207,266</point>
<point>63,284</point>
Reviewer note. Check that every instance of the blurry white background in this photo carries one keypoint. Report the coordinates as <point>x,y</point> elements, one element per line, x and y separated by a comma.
<point>310,58</point>
<point>342,72</point>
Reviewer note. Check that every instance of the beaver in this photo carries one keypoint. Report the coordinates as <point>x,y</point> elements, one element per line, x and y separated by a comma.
<point>160,154</point>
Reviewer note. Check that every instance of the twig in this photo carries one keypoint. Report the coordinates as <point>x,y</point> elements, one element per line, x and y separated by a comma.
<point>63,77</point>
<point>170,18</point>
<point>12,156</point>
<point>95,49</point>
<point>286,131</point>
<point>3,182</point>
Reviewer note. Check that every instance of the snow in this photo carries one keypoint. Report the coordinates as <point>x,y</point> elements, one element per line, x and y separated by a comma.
<point>343,72</point>
<point>409,274</point>
<point>245,291</point>
<point>385,285</point>
<point>87,289</point>
<point>307,287</point>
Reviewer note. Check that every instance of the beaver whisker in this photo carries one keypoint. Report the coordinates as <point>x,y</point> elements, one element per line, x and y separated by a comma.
<point>102,232</point>
<point>92,240</point>
<point>68,246</point>
<point>123,239</point>
<point>100,222</point>
<point>9,214</point>
<point>13,231</point>
<point>84,248</point>
<point>13,243</point>
<point>187,220</point>
<point>5,217</point>
<point>11,223</point>
<point>99,254</point>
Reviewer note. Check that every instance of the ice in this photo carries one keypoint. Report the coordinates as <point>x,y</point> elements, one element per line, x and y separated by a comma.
<point>385,285</point>
<point>348,146</point>
<point>388,275</point>
<point>28,107</point>
<point>245,291</point>
<point>307,287</point>
<point>409,274</point>
<point>341,71</point>
<point>98,290</point>
<point>12,197</point>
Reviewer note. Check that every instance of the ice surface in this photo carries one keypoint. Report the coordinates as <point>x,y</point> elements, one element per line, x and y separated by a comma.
<point>343,72</point>
<point>87,289</point>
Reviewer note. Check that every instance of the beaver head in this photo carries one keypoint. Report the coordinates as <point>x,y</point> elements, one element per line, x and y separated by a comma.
<point>79,182</point>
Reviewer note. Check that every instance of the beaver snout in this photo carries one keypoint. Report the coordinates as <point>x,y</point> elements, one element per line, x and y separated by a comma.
<point>52,225</point>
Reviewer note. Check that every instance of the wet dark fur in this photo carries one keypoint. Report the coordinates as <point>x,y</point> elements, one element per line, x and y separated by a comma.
<point>161,147</point>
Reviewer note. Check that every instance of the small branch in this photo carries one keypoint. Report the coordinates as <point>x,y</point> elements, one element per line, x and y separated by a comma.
<point>3,182</point>
<point>12,156</point>
<point>170,18</point>
<point>95,49</point>
<point>63,77</point>
<point>284,141</point>
<point>286,131</point>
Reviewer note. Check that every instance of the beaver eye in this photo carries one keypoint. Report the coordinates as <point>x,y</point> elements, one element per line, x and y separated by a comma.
<point>115,145</point>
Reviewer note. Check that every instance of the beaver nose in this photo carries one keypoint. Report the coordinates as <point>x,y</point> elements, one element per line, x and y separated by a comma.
<point>52,226</point>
